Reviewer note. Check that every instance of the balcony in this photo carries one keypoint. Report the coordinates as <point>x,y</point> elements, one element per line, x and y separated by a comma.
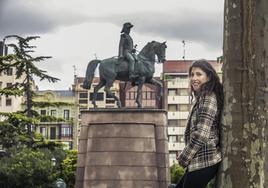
<point>175,146</point>
<point>178,100</point>
<point>178,115</point>
<point>176,130</point>
<point>177,84</point>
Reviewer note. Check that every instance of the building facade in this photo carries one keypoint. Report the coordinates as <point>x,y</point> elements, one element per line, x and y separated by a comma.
<point>9,103</point>
<point>178,101</point>
<point>7,79</point>
<point>150,95</point>
<point>63,106</point>
<point>84,96</point>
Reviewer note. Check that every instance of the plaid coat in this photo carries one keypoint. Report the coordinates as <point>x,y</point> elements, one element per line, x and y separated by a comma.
<point>202,135</point>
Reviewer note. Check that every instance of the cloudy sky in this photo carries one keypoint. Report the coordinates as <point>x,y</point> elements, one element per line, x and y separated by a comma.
<point>74,32</point>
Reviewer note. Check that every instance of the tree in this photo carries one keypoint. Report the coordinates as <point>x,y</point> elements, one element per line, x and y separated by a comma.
<point>28,155</point>
<point>24,64</point>
<point>26,168</point>
<point>245,79</point>
<point>69,168</point>
<point>12,130</point>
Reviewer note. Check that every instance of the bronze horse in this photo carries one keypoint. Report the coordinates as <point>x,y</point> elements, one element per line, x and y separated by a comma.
<point>112,69</point>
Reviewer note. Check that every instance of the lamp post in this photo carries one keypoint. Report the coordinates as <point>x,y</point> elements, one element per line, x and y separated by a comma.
<point>53,161</point>
<point>59,183</point>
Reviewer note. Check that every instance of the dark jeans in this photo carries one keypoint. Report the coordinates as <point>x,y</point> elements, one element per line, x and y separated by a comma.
<point>198,178</point>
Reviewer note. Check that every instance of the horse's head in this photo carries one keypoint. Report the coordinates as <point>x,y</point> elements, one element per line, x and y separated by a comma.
<point>160,51</point>
<point>154,48</point>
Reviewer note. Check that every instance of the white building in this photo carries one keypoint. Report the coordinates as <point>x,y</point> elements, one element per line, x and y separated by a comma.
<point>7,78</point>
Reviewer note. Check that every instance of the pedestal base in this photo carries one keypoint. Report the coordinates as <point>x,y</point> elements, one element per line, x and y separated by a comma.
<point>121,148</point>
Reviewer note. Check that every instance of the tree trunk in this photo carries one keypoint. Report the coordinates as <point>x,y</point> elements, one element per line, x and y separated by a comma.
<point>245,78</point>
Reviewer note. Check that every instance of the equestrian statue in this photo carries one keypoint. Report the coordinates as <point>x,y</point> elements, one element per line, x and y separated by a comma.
<point>129,67</point>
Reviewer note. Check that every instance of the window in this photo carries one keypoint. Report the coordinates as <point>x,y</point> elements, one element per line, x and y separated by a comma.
<point>172,139</point>
<point>8,102</point>
<point>133,94</point>
<point>83,101</point>
<point>172,92</point>
<point>9,84</point>
<point>99,97</point>
<point>52,132</point>
<point>1,83</point>
<point>172,123</point>
<point>0,101</point>
<point>53,113</point>
<point>66,131</point>
<point>43,132</point>
<point>66,114</point>
<point>43,112</point>
<point>83,95</point>
<point>149,95</point>
<point>172,107</point>
<point>127,95</point>
<point>9,72</point>
<point>143,95</point>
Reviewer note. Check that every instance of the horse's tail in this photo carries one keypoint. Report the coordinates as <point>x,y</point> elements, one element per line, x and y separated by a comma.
<point>92,65</point>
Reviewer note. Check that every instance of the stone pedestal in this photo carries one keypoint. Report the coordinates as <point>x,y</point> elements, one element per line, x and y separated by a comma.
<point>121,148</point>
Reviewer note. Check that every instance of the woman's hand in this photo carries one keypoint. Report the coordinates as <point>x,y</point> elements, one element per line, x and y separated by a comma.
<point>180,161</point>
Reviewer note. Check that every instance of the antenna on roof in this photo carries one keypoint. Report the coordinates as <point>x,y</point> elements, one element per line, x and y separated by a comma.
<point>95,56</point>
<point>74,67</point>
<point>183,45</point>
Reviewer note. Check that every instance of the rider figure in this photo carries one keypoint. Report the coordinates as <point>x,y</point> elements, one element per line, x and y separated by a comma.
<point>126,49</point>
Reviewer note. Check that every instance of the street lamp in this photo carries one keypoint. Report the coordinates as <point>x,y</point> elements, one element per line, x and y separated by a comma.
<point>53,160</point>
<point>59,183</point>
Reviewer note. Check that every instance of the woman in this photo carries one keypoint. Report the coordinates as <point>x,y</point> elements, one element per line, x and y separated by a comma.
<point>201,155</point>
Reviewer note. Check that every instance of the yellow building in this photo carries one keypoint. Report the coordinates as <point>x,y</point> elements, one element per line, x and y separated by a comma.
<point>65,107</point>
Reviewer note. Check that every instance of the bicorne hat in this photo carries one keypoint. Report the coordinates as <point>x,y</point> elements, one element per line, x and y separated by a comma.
<point>126,25</point>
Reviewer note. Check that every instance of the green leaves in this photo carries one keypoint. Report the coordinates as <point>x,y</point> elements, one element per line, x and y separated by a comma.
<point>176,172</point>
<point>27,168</point>
<point>11,92</point>
<point>44,104</point>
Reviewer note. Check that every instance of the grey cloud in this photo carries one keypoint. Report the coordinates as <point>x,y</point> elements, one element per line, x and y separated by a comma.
<point>18,17</point>
<point>201,27</point>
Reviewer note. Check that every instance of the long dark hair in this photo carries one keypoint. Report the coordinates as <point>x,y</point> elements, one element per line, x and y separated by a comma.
<point>212,86</point>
